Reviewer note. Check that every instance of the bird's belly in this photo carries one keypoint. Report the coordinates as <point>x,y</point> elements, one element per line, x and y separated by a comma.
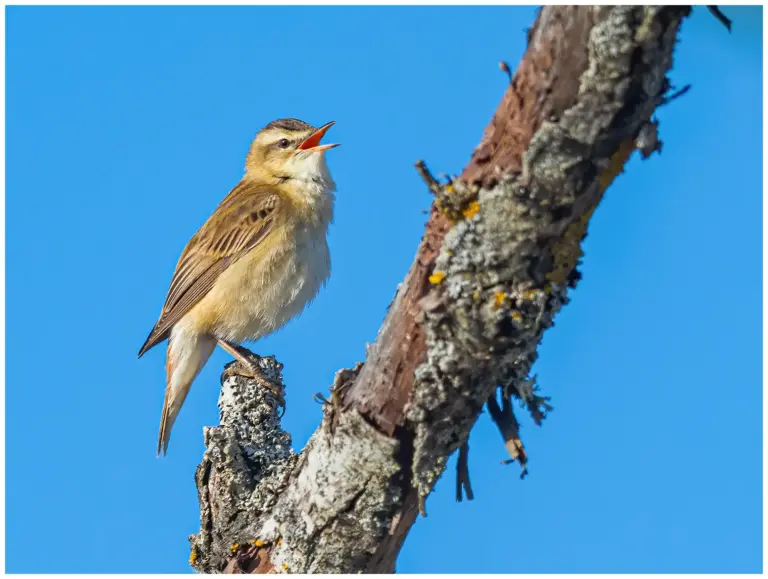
<point>256,297</point>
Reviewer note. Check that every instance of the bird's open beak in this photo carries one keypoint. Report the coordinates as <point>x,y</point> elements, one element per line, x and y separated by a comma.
<point>312,143</point>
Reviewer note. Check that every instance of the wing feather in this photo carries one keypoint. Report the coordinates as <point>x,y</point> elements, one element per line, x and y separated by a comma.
<point>241,221</point>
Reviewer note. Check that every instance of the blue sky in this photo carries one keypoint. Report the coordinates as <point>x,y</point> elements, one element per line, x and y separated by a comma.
<point>126,126</point>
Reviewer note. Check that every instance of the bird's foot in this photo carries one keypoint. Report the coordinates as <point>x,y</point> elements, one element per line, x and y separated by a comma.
<point>252,372</point>
<point>246,367</point>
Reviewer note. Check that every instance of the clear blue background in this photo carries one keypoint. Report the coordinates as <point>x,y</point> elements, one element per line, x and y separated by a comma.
<point>126,126</point>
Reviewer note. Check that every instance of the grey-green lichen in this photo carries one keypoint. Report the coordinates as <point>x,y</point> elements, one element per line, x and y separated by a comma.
<point>344,492</point>
<point>478,340</point>
<point>506,270</point>
<point>324,510</point>
<point>245,468</point>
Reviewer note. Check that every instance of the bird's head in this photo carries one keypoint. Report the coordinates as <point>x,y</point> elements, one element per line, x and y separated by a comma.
<point>289,149</point>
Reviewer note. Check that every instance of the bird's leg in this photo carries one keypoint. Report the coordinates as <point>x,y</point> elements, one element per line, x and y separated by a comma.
<point>250,370</point>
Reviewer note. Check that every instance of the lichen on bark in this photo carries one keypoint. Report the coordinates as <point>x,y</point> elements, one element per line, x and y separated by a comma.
<point>524,242</point>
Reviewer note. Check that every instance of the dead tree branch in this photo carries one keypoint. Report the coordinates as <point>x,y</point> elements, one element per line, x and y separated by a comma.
<point>499,253</point>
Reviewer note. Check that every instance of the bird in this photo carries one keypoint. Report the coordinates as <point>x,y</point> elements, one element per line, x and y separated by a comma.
<point>255,264</point>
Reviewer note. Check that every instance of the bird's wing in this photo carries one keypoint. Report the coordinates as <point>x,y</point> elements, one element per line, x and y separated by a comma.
<point>243,219</point>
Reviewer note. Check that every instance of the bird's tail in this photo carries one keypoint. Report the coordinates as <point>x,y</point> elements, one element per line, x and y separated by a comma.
<point>187,354</point>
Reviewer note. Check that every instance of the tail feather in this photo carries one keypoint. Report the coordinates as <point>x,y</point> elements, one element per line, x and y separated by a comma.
<point>172,403</point>
<point>187,354</point>
<point>166,423</point>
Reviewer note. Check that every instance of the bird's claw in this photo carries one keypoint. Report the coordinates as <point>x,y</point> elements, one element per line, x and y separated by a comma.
<point>251,372</point>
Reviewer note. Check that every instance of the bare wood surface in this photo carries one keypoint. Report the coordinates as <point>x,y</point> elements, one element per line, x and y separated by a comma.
<point>499,253</point>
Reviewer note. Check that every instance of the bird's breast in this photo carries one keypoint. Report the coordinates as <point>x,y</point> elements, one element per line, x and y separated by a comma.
<point>265,289</point>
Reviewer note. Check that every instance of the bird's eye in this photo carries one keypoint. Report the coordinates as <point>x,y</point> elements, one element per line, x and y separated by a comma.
<point>283,143</point>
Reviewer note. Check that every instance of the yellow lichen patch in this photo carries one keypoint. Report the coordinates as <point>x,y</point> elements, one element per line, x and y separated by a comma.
<point>280,540</point>
<point>471,210</point>
<point>285,566</point>
<point>436,277</point>
<point>449,189</point>
<point>616,165</point>
<point>499,298</point>
<point>516,316</point>
<point>529,294</point>
<point>257,543</point>
<point>234,548</point>
<point>567,250</point>
<point>193,556</point>
<point>447,211</point>
<point>476,295</point>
